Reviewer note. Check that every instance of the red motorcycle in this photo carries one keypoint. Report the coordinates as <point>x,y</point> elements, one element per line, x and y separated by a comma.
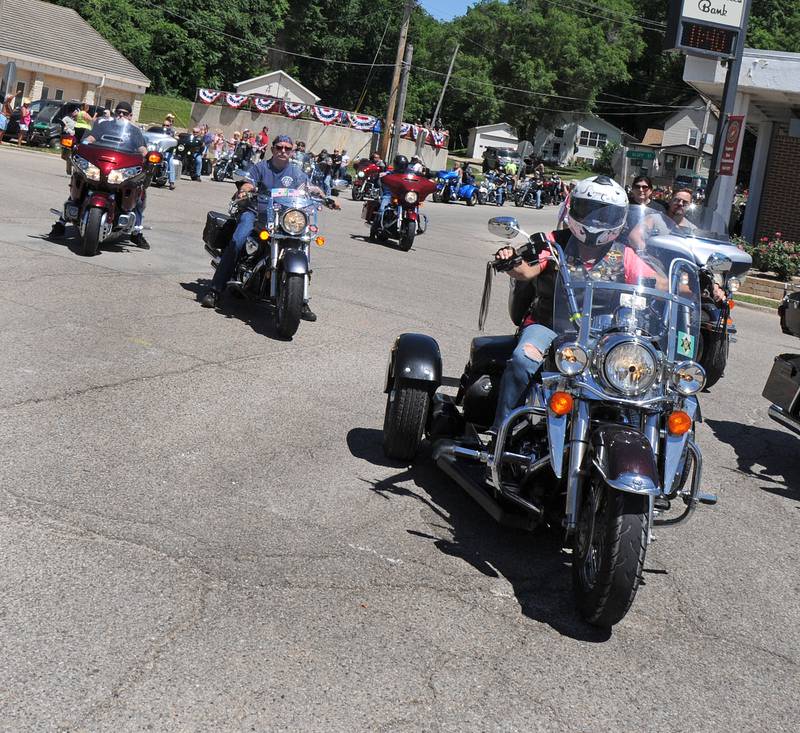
<point>402,219</point>
<point>109,178</point>
<point>366,185</point>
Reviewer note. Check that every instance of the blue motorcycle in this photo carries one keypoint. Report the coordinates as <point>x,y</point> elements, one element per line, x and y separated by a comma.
<point>447,188</point>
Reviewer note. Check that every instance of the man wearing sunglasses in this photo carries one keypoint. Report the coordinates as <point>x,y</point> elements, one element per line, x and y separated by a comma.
<point>277,172</point>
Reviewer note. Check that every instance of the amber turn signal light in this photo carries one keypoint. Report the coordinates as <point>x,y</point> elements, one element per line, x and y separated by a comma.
<point>263,235</point>
<point>731,303</point>
<point>154,158</point>
<point>561,403</point>
<point>679,423</point>
<point>67,142</point>
<point>319,241</point>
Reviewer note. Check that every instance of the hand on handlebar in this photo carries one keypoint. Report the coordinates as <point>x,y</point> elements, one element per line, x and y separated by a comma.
<point>505,253</point>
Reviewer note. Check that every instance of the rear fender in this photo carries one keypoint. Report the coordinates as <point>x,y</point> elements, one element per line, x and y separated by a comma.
<point>415,359</point>
<point>625,459</point>
<point>294,262</point>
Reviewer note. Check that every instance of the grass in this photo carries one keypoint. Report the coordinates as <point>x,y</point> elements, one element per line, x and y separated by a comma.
<point>156,106</point>
<point>756,300</point>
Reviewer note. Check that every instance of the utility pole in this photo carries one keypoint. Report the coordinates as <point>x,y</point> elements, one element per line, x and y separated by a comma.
<point>390,108</point>
<point>444,87</point>
<point>401,104</point>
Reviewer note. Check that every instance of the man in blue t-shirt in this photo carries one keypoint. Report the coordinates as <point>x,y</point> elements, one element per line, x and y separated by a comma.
<point>277,172</point>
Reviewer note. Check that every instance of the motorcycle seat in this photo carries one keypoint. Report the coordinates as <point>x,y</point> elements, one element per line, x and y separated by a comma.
<point>490,353</point>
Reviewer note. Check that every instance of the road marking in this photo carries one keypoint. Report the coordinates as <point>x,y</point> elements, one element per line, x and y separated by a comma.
<point>391,560</point>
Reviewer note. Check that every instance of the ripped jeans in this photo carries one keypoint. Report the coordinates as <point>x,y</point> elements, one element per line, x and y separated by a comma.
<point>520,370</point>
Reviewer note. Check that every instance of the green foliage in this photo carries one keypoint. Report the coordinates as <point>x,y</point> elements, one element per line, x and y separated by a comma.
<point>605,156</point>
<point>775,254</point>
<point>775,25</point>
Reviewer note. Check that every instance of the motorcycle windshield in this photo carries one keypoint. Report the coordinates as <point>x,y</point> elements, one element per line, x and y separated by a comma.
<point>293,198</point>
<point>117,134</point>
<point>650,290</point>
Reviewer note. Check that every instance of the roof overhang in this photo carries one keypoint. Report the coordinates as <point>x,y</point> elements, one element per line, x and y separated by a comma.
<point>770,79</point>
<point>69,71</point>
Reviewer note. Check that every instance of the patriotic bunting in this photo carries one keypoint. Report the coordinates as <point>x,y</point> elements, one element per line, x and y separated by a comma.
<point>235,100</point>
<point>326,115</point>
<point>361,122</point>
<point>294,109</point>
<point>264,104</point>
<point>438,138</point>
<point>208,96</point>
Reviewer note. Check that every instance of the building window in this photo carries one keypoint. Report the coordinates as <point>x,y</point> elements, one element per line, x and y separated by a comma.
<point>59,95</point>
<point>686,162</point>
<point>110,104</point>
<point>559,132</point>
<point>20,93</point>
<point>592,139</point>
<point>45,92</point>
<point>556,149</point>
<point>694,137</point>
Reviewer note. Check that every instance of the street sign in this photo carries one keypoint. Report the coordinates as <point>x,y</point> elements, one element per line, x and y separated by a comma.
<point>641,154</point>
<point>731,145</point>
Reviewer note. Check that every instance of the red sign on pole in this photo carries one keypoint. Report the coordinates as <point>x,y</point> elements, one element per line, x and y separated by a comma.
<point>731,145</point>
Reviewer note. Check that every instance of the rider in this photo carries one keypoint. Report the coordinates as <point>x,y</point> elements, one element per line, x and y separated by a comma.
<point>597,210</point>
<point>135,140</point>
<point>277,172</point>
<point>399,165</point>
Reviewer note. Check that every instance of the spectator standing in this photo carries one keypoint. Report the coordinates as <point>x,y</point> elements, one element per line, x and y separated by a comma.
<point>336,164</point>
<point>68,121</point>
<point>83,122</point>
<point>324,166</point>
<point>5,114</point>
<point>416,165</point>
<point>345,163</point>
<point>263,141</point>
<point>24,121</point>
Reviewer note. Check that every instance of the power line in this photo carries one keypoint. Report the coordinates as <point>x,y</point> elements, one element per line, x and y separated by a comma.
<point>643,21</point>
<point>612,11</point>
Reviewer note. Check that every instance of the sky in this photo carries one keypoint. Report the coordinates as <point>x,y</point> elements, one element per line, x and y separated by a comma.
<point>446,9</point>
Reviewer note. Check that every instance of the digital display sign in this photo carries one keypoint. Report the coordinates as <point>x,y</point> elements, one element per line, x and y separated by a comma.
<point>705,38</point>
<point>705,27</point>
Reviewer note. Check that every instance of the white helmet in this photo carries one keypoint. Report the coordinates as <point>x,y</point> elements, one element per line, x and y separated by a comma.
<point>597,209</point>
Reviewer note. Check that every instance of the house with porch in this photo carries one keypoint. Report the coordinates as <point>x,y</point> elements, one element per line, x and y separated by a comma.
<point>575,139</point>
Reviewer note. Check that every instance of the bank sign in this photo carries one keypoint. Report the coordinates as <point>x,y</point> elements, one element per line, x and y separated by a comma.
<point>728,13</point>
<point>705,27</point>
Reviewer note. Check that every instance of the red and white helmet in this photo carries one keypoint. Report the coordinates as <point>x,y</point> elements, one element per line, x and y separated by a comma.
<point>597,209</point>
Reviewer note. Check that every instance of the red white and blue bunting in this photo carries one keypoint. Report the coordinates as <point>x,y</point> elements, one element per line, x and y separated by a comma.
<point>208,96</point>
<point>437,138</point>
<point>326,115</point>
<point>294,109</point>
<point>264,104</point>
<point>235,100</point>
<point>361,122</point>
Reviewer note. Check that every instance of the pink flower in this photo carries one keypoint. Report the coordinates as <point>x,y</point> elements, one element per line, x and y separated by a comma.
<point>778,234</point>
<point>764,239</point>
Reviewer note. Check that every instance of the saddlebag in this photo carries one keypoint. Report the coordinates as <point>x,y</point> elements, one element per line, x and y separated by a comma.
<point>218,230</point>
<point>783,386</point>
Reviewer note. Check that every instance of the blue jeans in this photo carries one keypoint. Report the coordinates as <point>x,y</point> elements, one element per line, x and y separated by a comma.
<point>520,370</point>
<point>230,254</point>
<point>168,161</point>
<point>326,184</point>
<point>538,198</point>
<point>386,199</point>
<point>198,164</point>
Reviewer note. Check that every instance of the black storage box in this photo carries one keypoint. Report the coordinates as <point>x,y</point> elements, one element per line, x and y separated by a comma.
<point>218,230</point>
<point>783,386</point>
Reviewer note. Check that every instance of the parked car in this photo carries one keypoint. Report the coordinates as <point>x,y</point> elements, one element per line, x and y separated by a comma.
<point>494,158</point>
<point>12,130</point>
<point>46,126</point>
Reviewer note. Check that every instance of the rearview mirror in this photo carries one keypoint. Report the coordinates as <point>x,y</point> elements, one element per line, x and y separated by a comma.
<point>719,263</point>
<point>504,226</point>
<point>339,183</point>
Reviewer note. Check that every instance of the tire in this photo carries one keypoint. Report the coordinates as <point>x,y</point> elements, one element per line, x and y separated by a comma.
<point>219,173</point>
<point>54,143</point>
<point>69,166</point>
<point>437,197</point>
<point>357,193</point>
<point>404,422</point>
<point>290,305</point>
<point>407,237</point>
<point>472,200</point>
<point>608,552</point>
<point>445,196</point>
<point>481,199</point>
<point>714,357</point>
<point>90,241</point>
<point>519,200</point>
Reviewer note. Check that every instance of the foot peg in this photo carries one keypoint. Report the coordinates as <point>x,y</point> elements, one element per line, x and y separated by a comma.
<point>707,499</point>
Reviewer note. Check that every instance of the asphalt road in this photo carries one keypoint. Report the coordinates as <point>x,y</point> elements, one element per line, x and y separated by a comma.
<point>198,531</point>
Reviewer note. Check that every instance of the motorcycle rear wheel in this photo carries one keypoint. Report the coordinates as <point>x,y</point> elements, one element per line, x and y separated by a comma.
<point>90,241</point>
<point>404,422</point>
<point>290,304</point>
<point>608,551</point>
<point>714,357</point>
<point>472,200</point>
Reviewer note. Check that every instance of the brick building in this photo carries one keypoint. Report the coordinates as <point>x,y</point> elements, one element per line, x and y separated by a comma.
<point>769,98</point>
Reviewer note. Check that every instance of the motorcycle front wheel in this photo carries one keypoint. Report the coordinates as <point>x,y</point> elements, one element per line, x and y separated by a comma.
<point>608,551</point>
<point>407,236</point>
<point>357,193</point>
<point>90,241</point>
<point>219,173</point>
<point>290,304</point>
<point>472,200</point>
<point>519,200</point>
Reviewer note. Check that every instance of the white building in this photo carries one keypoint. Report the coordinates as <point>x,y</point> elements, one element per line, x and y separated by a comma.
<point>277,84</point>
<point>575,139</point>
<point>497,135</point>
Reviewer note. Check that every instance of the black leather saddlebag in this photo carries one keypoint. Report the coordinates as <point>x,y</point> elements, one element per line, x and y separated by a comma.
<point>218,230</point>
<point>783,386</point>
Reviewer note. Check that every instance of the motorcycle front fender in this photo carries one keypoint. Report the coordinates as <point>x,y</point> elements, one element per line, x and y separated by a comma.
<point>415,358</point>
<point>410,215</point>
<point>102,200</point>
<point>294,261</point>
<point>675,445</point>
<point>625,459</point>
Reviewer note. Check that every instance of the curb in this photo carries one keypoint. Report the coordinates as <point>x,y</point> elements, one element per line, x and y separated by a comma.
<point>756,307</point>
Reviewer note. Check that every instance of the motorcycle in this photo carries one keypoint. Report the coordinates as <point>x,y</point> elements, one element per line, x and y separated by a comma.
<point>447,189</point>
<point>275,267</point>
<point>603,444</point>
<point>492,190</point>
<point>109,179</point>
<point>231,160</point>
<point>189,146</point>
<point>161,143</point>
<point>526,193</point>
<point>366,184</point>
<point>400,220</point>
<point>552,191</point>
<point>783,385</point>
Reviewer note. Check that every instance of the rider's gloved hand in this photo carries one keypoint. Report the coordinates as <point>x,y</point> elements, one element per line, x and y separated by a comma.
<point>505,253</point>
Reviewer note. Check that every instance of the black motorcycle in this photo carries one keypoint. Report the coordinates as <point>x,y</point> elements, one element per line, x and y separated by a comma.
<point>275,267</point>
<point>231,160</point>
<point>189,146</point>
<point>525,195</point>
<point>783,386</point>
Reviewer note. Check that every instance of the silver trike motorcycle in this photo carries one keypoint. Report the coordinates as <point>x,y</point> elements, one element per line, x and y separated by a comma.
<point>604,442</point>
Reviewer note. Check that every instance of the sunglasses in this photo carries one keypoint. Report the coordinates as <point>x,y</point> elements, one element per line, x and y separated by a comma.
<point>680,202</point>
<point>644,187</point>
<point>284,148</point>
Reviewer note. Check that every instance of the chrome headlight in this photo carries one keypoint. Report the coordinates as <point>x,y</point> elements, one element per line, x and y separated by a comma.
<point>123,174</point>
<point>688,377</point>
<point>734,283</point>
<point>411,197</point>
<point>629,367</point>
<point>361,174</point>
<point>92,172</point>
<point>571,359</point>
<point>294,222</point>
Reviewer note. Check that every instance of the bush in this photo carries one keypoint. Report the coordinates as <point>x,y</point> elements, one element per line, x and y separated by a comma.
<point>776,255</point>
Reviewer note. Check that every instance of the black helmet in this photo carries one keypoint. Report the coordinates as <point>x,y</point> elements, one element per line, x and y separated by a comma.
<point>400,164</point>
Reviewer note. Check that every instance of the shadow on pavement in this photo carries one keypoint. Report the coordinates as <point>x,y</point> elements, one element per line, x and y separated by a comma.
<point>259,316</point>
<point>72,242</point>
<point>388,244</point>
<point>775,450</point>
<point>534,564</point>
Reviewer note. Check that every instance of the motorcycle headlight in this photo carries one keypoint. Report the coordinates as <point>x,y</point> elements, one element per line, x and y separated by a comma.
<point>361,174</point>
<point>630,368</point>
<point>294,222</point>
<point>123,174</point>
<point>411,197</point>
<point>571,359</point>
<point>688,377</point>
<point>92,172</point>
<point>734,283</point>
